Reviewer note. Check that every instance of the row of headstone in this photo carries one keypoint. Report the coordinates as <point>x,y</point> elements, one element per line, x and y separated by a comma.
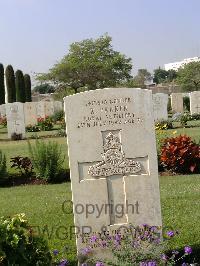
<point>19,115</point>
<point>177,102</point>
<point>160,103</point>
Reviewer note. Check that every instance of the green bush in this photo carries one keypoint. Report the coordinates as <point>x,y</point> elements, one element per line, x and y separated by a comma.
<point>195,117</point>
<point>185,118</point>
<point>19,245</point>
<point>3,168</point>
<point>47,159</point>
<point>31,128</point>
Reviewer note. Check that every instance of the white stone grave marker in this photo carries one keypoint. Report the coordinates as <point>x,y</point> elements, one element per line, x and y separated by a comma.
<point>160,101</point>
<point>15,119</point>
<point>30,113</point>
<point>195,102</point>
<point>177,102</point>
<point>113,161</point>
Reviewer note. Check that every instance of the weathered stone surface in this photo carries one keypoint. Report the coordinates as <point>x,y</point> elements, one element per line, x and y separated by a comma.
<point>113,161</point>
<point>30,113</point>
<point>40,109</point>
<point>195,102</point>
<point>58,106</point>
<point>160,101</point>
<point>15,119</point>
<point>49,108</point>
<point>177,102</point>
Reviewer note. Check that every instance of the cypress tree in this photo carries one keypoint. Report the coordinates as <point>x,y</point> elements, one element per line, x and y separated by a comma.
<point>20,87</point>
<point>27,82</point>
<point>10,84</point>
<point>2,86</point>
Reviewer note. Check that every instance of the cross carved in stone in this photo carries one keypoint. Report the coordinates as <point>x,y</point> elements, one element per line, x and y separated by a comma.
<point>115,167</point>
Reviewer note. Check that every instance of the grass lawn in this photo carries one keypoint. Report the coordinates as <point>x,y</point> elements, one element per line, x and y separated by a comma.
<point>42,205</point>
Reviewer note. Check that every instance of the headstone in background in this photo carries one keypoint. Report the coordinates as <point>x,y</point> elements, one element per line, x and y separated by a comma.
<point>2,110</point>
<point>58,106</point>
<point>160,102</point>
<point>113,160</point>
<point>177,102</point>
<point>40,109</point>
<point>30,113</point>
<point>48,108</point>
<point>15,120</point>
<point>195,102</point>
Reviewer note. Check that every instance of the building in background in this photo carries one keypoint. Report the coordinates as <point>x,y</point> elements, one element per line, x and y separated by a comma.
<point>176,65</point>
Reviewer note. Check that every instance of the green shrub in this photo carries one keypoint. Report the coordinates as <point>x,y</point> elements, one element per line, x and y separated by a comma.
<point>163,124</point>
<point>19,245</point>
<point>180,154</point>
<point>195,117</point>
<point>186,103</point>
<point>185,118</point>
<point>3,168</point>
<point>47,159</point>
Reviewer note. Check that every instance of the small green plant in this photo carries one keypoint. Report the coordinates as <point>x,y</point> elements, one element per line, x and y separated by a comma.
<point>23,164</point>
<point>31,128</point>
<point>19,245</point>
<point>180,155</point>
<point>195,117</point>
<point>184,119</point>
<point>47,159</point>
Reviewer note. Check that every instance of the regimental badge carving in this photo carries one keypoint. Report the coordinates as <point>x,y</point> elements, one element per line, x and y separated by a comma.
<point>114,161</point>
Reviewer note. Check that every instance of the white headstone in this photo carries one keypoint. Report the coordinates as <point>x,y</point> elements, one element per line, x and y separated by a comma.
<point>2,110</point>
<point>49,108</point>
<point>40,109</point>
<point>58,106</point>
<point>113,161</point>
<point>30,113</point>
<point>177,102</point>
<point>15,119</point>
<point>160,101</point>
<point>195,102</point>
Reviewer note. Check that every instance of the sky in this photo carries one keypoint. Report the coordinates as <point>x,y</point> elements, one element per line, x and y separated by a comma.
<point>35,34</point>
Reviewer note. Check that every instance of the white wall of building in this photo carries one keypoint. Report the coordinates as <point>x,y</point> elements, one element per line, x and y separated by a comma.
<point>176,65</point>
